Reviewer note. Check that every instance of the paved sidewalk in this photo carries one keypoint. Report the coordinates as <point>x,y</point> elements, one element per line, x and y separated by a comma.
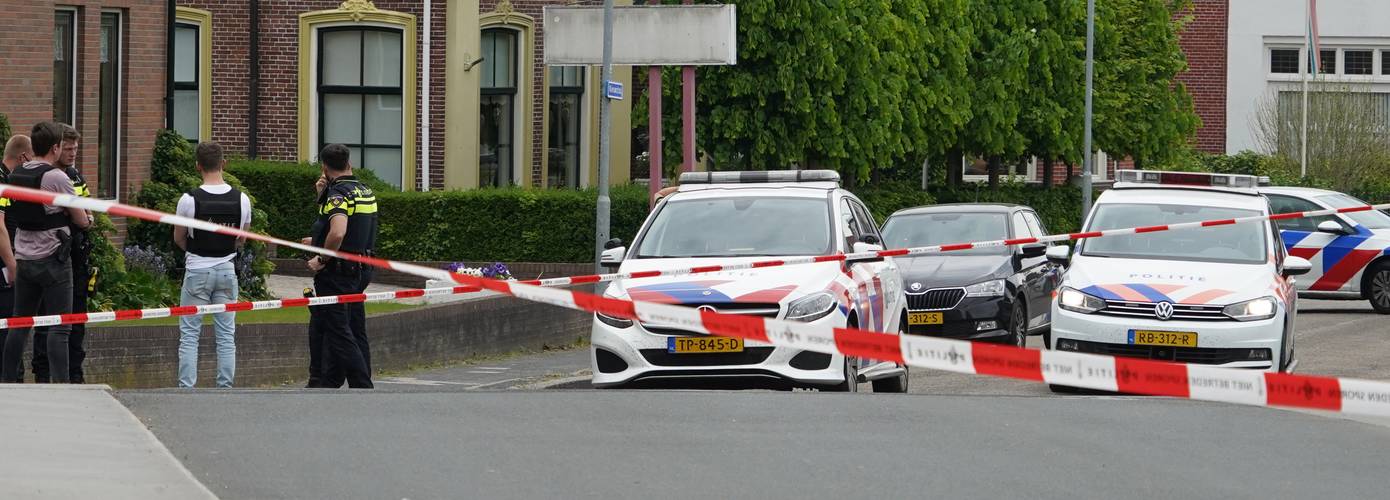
<point>77,441</point>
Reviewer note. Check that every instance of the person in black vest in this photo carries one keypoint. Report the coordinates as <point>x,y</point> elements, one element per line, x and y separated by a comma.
<point>81,272</point>
<point>44,284</point>
<point>210,276</point>
<point>347,222</point>
<point>17,152</point>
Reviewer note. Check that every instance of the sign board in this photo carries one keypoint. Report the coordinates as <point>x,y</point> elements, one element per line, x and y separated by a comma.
<point>663,35</point>
<point>614,90</point>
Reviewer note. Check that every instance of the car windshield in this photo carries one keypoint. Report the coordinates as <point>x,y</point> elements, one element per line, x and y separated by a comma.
<point>921,230</point>
<point>1238,243</point>
<point>1372,219</point>
<point>737,227</point>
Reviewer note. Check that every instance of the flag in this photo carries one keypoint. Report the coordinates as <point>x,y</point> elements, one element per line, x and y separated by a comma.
<point>1314,48</point>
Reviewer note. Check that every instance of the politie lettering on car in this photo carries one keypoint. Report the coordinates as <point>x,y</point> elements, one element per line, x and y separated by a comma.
<point>741,217</point>
<point>1217,296</point>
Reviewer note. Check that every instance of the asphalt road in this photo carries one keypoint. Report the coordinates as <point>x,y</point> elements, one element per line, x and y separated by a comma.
<point>476,431</point>
<point>1334,338</point>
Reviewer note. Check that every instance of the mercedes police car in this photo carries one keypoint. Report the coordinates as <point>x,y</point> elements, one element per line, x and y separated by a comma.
<point>740,217</point>
<point>1350,252</point>
<point>1219,295</point>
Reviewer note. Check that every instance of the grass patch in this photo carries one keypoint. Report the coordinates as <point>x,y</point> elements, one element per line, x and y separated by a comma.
<point>290,315</point>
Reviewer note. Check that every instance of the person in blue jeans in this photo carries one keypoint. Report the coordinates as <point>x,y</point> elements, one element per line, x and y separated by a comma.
<point>210,276</point>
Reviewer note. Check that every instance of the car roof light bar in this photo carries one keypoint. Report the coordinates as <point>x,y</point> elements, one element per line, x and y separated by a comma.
<point>760,177</point>
<point>1202,179</point>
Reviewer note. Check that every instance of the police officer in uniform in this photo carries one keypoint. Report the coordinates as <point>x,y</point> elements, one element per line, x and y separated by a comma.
<point>347,221</point>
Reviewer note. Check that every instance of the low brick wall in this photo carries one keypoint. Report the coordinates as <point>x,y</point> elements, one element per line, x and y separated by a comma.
<point>146,357</point>
<point>520,270</point>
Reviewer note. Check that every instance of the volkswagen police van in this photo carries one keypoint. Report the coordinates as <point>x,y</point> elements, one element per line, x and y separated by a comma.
<point>1220,295</point>
<point>741,217</point>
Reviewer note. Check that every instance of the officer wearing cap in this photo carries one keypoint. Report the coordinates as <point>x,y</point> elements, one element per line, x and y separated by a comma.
<point>347,222</point>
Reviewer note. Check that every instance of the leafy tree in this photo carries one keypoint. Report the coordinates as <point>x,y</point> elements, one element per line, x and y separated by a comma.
<point>997,75</point>
<point>1141,110</point>
<point>853,85</point>
<point>1053,107</point>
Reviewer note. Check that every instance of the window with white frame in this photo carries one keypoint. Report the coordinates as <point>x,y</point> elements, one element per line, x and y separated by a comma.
<point>1283,61</point>
<point>975,169</point>
<point>1357,61</point>
<point>359,96</point>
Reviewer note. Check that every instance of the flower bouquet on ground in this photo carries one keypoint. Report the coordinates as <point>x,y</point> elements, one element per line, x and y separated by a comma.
<point>497,270</point>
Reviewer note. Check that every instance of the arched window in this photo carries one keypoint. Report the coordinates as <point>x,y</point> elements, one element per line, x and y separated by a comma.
<point>566,119</point>
<point>497,106</point>
<point>360,97</point>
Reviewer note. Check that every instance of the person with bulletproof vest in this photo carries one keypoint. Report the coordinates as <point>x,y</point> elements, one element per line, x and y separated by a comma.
<point>347,221</point>
<point>42,252</point>
<point>356,311</point>
<point>81,272</point>
<point>17,151</point>
<point>210,271</point>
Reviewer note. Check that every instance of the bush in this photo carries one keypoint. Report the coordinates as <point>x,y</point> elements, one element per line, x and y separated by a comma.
<point>172,173</point>
<point>1059,206</point>
<point>5,131</point>
<point>287,190</point>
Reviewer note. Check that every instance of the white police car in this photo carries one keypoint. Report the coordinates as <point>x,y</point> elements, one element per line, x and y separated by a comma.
<point>1350,252</point>
<point>1218,296</point>
<point>740,217</point>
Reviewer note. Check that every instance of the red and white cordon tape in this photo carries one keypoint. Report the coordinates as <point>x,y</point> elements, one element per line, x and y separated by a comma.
<point>1352,396</point>
<point>164,312</point>
<point>915,251</point>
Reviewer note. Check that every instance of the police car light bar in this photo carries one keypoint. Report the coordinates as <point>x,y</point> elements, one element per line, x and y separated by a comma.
<point>1202,179</point>
<point>756,177</point>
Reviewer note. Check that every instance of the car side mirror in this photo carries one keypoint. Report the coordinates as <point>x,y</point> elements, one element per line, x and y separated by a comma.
<point>865,247</point>
<point>613,243</point>
<point>1033,250</point>
<point>1332,226</point>
<point>1296,266</point>
<point>872,240</point>
<point>1058,254</point>
<point>612,257</point>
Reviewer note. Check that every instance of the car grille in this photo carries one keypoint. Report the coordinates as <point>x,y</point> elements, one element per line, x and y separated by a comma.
<point>1180,311</point>
<point>764,309</point>
<point>936,299</point>
<point>749,356</point>
<point>1197,355</point>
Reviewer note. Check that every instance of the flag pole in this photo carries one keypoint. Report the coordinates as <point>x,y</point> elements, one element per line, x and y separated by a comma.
<point>1310,60</point>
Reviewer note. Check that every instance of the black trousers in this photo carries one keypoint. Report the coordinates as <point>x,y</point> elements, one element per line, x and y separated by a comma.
<point>44,287</point>
<point>7,311</point>
<point>81,273</point>
<point>338,346</point>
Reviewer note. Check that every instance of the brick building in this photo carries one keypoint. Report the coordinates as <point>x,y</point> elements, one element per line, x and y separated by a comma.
<point>467,103</point>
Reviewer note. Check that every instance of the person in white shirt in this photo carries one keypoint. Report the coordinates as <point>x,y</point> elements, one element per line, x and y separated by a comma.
<point>210,276</point>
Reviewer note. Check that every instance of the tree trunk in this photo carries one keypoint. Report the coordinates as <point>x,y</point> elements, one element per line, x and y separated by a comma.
<point>954,159</point>
<point>1047,172</point>
<point>994,163</point>
<point>1071,170</point>
<point>1138,164</point>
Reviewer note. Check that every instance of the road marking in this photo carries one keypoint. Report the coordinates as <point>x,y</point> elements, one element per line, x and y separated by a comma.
<point>416,381</point>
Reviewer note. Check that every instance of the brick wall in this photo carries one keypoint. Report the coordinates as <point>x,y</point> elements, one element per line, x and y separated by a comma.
<point>143,357</point>
<point>26,84</point>
<point>1204,43</point>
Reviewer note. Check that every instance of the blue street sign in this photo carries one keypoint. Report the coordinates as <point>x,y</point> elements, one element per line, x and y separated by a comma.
<point>614,90</point>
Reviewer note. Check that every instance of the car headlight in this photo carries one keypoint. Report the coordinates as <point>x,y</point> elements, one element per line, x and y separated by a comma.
<point>811,307</point>
<point>992,288</point>
<point>1252,310</point>
<point>612,321</point>
<point>1075,300</point>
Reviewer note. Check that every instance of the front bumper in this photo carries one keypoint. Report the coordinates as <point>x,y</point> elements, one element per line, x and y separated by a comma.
<point>971,320</point>
<point>1231,344</point>
<point>621,356</point>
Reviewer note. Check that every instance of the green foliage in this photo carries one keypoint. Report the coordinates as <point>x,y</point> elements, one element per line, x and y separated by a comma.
<point>1054,106</point>
<point>883,200</point>
<point>173,173</point>
<point>1059,207</point>
<point>852,85</point>
<point>5,131</point>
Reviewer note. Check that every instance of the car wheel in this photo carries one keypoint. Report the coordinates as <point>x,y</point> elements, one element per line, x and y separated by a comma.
<point>1018,324</point>
<point>1379,290</point>
<point>851,383</point>
<point>898,383</point>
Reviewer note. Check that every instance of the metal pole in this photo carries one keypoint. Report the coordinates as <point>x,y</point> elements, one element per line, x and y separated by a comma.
<point>1090,70</point>
<point>688,115</point>
<point>1303,138</point>
<point>654,169</point>
<point>605,123</point>
<point>425,102</point>
<point>171,21</point>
